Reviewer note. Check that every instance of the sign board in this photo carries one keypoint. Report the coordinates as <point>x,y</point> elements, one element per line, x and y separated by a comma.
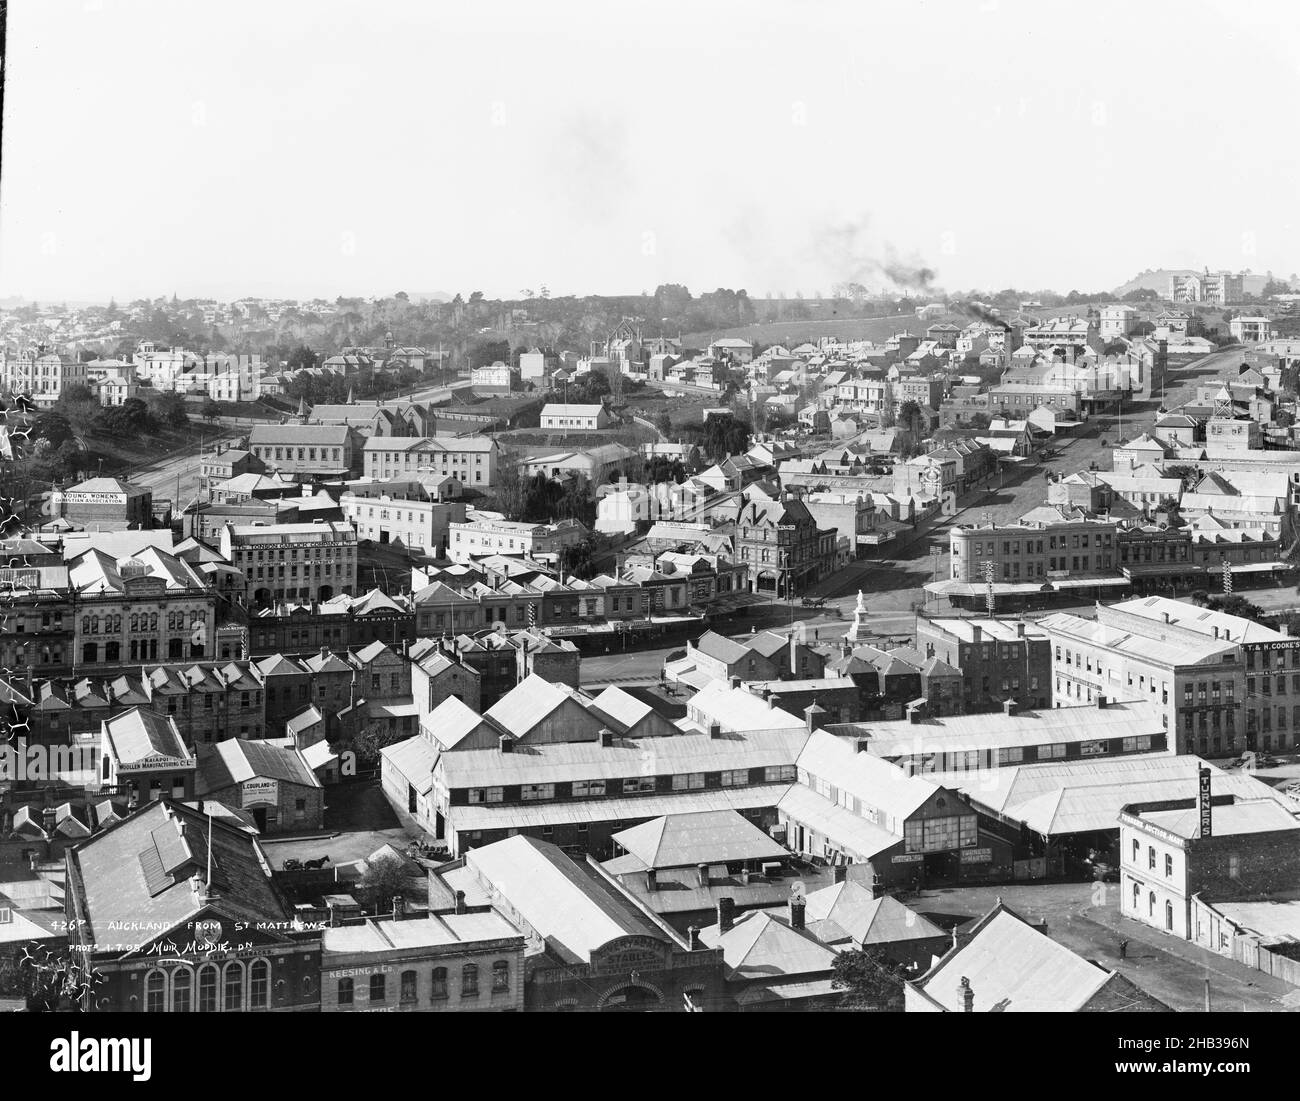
<point>260,792</point>
<point>976,856</point>
<point>158,762</point>
<point>1203,804</point>
<point>907,858</point>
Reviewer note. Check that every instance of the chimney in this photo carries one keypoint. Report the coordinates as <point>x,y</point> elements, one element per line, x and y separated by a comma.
<point>460,902</point>
<point>651,880</point>
<point>744,876</point>
<point>977,633</point>
<point>839,873</point>
<point>507,743</point>
<point>702,870</point>
<point>726,914</point>
<point>1008,707</point>
<point>796,911</point>
<point>693,938</point>
<point>1216,632</point>
<point>861,744</point>
<point>606,736</point>
<point>715,730</point>
<point>1166,615</point>
<point>967,996</point>
<point>397,907</point>
<point>877,886</point>
<point>1101,703</point>
<point>773,701</point>
<point>794,651</point>
<point>734,682</point>
<point>1020,629</point>
<point>913,715</point>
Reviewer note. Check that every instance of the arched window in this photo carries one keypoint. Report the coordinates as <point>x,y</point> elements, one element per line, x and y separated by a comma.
<point>182,984</point>
<point>85,625</point>
<point>438,990</point>
<point>259,985</point>
<point>409,987</point>
<point>1169,915</point>
<point>234,987</point>
<point>500,976</point>
<point>208,988</point>
<point>135,623</point>
<point>153,622</point>
<point>1137,895</point>
<point>1151,904</point>
<point>345,991</point>
<point>155,992</point>
<point>469,981</point>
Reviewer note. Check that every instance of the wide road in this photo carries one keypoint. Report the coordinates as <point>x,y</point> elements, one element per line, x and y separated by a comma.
<point>177,473</point>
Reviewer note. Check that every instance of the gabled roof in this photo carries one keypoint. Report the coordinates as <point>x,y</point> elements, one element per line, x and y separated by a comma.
<point>139,734</point>
<point>1013,968</point>
<point>236,760</point>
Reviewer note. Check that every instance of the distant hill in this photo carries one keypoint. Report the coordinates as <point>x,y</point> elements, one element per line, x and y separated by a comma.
<point>430,296</point>
<point>1157,279</point>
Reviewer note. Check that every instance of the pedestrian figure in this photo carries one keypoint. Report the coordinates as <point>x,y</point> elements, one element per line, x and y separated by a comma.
<point>1123,949</point>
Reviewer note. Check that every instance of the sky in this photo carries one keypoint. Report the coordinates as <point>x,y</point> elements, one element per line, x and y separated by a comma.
<point>312,149</point>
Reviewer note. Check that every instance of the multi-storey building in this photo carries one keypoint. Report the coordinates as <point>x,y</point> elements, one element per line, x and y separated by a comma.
<point>176,911</point>
<point>107,504</point>
<point>1178,857</point>
<point>782,545</point>
<point>472,539</point>
<point>1070,554</point>
<point>999,659</point>
<point>45,375</point>
<point>135,608</point>
<point>403,512</point>
<point>471,460</point>
<point>307,451</point>
<point>292,561</point>
<point>1219,288</point>
<point>1153,648</point>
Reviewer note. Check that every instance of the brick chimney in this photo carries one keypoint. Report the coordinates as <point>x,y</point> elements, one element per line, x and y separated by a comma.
<point>726,914</point>
<point>797,906</point>
<point>1009,707</point>
<point>967,996</point>
<point>693,938</point>
<point>460,902</point>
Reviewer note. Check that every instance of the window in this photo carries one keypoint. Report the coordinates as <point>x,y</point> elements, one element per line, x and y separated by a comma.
<point>155,992</point>
<point>537,791</point>
<point>378,988</point>
<point>259,985</point>
<point>207,989</point>
<point>634,785</point>
<point>735,778</point>
<point>500,976</point>
<point>688,780</point>
<point>775,774</point>
<point>408,995</point>
<point>1151,857</point>
<point>485,795</point>
<point>438,987</point>
<point>1169,864</point>
<point>586,788</point>
<point>345,991</point>
<point>469,981</point>
<point>1169,915</point>
<point>1137,849</point>
<point>234,984</point>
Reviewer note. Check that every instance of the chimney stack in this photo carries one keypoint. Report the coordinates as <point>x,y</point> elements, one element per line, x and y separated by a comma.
<point>507,743</point>
<point>1008,707</point>
<point>877,886</point>
<point>735,682</point>
<point>606,736</point>
<point>460,902</point>
<point>693,938</point>
<point>774,701</point>
<point>726,914</point>
<point>839,873</point>
<point>796,911</point>
<point>702,871</point>
<point>967,996</point>
<point>715,730</point>
<point>651,880</point>
<point>1101,703</point>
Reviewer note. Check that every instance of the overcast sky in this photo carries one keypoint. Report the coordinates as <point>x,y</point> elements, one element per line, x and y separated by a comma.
<point>302,149</point>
